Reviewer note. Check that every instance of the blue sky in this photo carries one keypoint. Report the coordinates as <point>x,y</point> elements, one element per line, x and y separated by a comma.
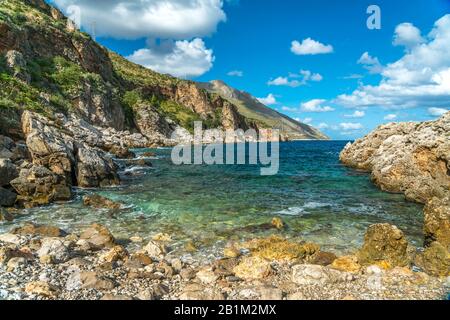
<point>356,79</point>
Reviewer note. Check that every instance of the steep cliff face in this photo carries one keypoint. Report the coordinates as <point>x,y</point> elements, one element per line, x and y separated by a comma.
<point>56,68</point>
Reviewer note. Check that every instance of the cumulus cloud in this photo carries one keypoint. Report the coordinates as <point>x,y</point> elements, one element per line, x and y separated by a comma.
<point>269,100</point>
<point>370,63</point>
<point>390,117</point>
<point>235,73</point>
<point>294,80</point>
<point>322,126</point>
<point>407,35</point>
<point>165,19</point>
<point>284,81</point>
<point>315,105</point>
<point>179,58</point>
<point>437,112</point>
<point>420,78</point>
<point>289,109</point>
<point>349,126</point>
<point>356,114</point>
<point>310,47</point>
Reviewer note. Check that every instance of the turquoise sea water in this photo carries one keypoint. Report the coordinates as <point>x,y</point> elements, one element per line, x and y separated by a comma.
<point>319,199</point>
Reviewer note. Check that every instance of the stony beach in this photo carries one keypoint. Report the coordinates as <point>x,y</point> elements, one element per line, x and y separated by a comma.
<point>44,262</point>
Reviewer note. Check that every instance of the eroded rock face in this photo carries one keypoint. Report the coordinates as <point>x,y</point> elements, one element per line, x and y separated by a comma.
<point>409,158</point>
<point>384,243</point>
<point>40,186</point>
<point>95,169</point>
<point>437,222</point>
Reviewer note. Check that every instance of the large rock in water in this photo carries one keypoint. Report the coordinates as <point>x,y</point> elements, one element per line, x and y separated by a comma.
<point>384,243</point>
<point>409,158</point>
<point>95,169</point>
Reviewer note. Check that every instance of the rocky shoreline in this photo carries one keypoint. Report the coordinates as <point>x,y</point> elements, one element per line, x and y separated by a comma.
<point>46,263</point>
<point>413,159</point>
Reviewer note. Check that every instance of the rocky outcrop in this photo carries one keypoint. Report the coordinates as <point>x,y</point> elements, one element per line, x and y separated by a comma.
<point>414,159</point>
<point>409,158</point>
<point>95,169</point>
<point>39,186</point>
<point>437,221</point>
<point>384,244</point>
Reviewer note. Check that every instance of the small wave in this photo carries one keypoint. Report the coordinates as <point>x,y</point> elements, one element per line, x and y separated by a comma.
<point>316,205</point>
<point>293,211</point>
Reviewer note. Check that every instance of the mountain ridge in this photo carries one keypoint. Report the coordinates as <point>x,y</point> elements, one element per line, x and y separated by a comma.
<point>253,109</point>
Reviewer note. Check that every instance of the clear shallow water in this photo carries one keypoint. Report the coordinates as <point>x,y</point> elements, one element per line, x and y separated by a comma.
<point>319,199</point>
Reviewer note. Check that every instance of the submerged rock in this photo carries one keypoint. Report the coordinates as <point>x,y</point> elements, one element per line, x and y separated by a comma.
<point>5,215</point>
<point>31,229</point>
<point>278,223</point>
<point>99,202</point>
<point>122,153</point>
<point>276,248</point>
<point>384,243</point>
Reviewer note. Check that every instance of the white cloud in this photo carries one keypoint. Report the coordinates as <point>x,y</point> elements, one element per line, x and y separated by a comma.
<point>349,126</point>
<point>310,47</point>
<point>406,34</point>
<point>356,114</point>
<point>284,81</point>
<point>420,78</point>
<point>322,126</point>
<point>437,112</point>
<point>289,109</point>
<point>315,105</point>
<point>370,63</point>
<point>292,80</point>
<point>165,19</point>
<point>307,120</point>
<point>235,73</point>
<point>269,100</point>
<point>180,58</point>
<point>390,117</point>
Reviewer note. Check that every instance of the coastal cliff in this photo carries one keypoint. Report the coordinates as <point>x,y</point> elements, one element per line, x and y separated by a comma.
<point>413,159</point>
